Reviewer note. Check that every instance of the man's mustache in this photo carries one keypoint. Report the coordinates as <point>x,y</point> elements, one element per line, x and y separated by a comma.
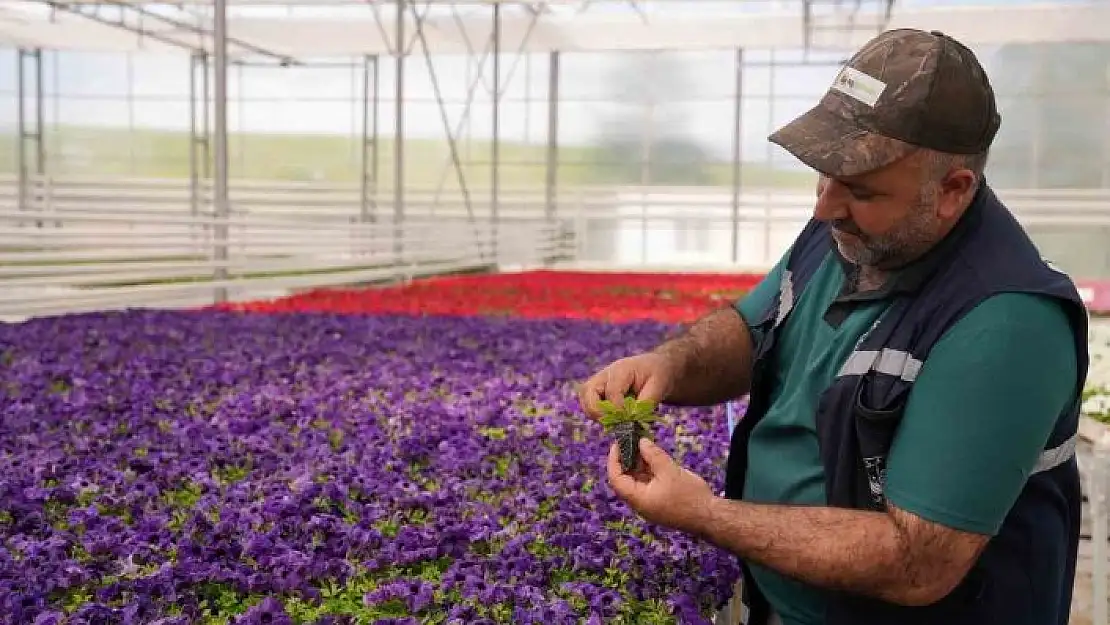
<point>847,226</point>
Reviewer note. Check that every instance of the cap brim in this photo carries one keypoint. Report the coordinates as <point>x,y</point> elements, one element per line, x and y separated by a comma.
<point>833,145</point>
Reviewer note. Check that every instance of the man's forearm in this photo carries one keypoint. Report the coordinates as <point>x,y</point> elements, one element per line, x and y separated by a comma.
<point>713,360</point>
<point>890,556</point>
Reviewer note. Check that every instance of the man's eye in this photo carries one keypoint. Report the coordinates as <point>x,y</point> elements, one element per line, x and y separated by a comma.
<point>861,195</point>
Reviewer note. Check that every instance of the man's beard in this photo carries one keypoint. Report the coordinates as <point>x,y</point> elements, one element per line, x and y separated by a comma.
<point>896,247</point>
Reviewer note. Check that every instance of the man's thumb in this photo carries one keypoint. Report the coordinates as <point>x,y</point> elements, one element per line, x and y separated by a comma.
<point>653,455</point>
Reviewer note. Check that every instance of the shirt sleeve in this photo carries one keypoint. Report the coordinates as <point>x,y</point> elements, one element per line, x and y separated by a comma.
<point>981,411</point>
<point>754,302</point>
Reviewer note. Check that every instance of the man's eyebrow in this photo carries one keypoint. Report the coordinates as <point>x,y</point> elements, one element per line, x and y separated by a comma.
<point>857,186</point>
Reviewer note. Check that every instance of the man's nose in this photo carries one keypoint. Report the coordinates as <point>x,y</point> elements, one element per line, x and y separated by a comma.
<point>831,202</point>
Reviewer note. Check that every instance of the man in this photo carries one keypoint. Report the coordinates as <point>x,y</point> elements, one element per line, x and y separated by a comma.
<point>914,370</point>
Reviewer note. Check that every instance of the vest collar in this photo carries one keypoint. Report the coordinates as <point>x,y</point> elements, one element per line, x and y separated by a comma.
<point>912,277</point>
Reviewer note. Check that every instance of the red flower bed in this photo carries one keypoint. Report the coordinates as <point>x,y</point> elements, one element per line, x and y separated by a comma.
<point>670,297</point>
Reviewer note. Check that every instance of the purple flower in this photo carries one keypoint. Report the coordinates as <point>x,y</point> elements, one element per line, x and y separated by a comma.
<point>159,466</point>
<point>269,611</point>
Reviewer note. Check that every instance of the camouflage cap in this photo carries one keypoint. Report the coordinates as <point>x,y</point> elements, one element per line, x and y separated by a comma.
<point>904,89</point>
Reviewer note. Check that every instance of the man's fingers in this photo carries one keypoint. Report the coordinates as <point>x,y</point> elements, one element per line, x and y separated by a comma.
<point>590,393</point>
<point>612,461</point>
<point>626,486</point>
<point>620,379</point>
<point>588,400</point>
<point>631,376</point>
<point>654,457</point>
<point>652,390</point>
<point>617,479</point>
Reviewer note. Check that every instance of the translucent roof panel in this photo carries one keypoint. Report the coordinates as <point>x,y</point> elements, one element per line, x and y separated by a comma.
<point>271,27</point>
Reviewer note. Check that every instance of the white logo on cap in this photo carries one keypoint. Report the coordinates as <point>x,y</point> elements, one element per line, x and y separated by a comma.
<point>855,84</point>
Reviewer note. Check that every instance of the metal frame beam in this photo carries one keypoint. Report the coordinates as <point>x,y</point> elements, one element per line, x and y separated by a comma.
<point>81,9</point>
<point>737,153</point>
<point>208,109</point>
<point>198,30</point>
<point>399,133</point>
<point>21,128</point>
<point>551,178</point>
<point>529,5</point>
<point>492,49</point>
<point>552,161</point>
<point>368,175</point>
<point>30,142</point>
<point>452,137</point>
<point>842,20</point>
<point>76,8</point>
<point>495,149</point>
<point>220,195</point>
<point>354,35</point>
<point>200,131</point>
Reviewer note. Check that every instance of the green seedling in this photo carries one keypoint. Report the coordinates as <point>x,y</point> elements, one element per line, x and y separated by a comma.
<point>629,424</point>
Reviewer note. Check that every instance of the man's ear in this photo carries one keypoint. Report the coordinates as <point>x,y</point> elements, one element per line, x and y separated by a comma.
<point>955,191</point>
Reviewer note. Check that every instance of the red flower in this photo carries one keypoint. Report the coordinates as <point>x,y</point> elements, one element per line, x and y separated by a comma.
<point>671,297</point>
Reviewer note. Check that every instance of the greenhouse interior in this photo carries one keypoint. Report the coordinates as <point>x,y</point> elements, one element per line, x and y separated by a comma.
<point>335,270</point>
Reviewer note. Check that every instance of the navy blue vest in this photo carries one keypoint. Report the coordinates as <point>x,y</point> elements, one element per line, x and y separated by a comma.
<point>1025,575</point>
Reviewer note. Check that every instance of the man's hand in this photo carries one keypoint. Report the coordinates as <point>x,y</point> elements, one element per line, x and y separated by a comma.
<point>708,364</point>
<point>662,492</point>
<point>649,376</point>
<point>894,555</point>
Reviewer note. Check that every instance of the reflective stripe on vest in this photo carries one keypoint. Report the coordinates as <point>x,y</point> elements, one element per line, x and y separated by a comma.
<point>903,365</point>
<point>1052,458</point>
<point>786,296</point>
<point>889,361</point>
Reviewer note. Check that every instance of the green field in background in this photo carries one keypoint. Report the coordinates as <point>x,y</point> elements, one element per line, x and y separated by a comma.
<point>165,154</point>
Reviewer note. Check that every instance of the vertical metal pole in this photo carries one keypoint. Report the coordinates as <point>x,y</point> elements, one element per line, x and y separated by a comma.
<point>399,135</point>
<point>807,30</point>
<point>194,154</point>
<point>1035,152</point>
<point>194,190</point>
<point>21,130</point>
<point>768,255</point>
<point>551,188</point>
<point>241,119</point>
<point>375,151</point>
<point>221,192</point>
<point>130,97</point>
<point>527,98</point>
<point>40,117</point>
<point>206,111</point>
<point>25,133</point>
<point>364,161</point>
<point>1105,149</point>
<point>40,135</point>
<point>737,141</point>
<point>647,142</point>
<point>57,84</point>
<point>495,164</point>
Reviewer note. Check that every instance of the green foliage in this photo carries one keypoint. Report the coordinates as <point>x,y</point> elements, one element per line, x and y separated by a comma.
<point>1096,403</point>
<point>220,602</point>
<point>629,424</point>
<point>230,474</point>
<point>634,410</point>
<point>184,498</point>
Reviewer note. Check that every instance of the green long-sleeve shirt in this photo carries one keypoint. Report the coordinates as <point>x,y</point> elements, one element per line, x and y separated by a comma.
<point>978,416</point>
